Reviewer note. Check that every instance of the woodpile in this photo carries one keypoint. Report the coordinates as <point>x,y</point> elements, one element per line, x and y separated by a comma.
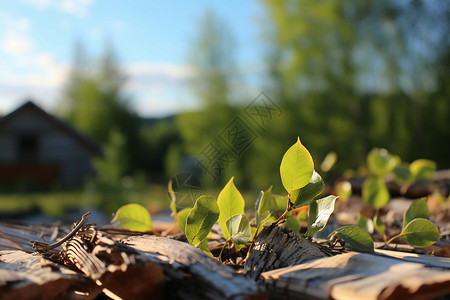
<point>98,262</point>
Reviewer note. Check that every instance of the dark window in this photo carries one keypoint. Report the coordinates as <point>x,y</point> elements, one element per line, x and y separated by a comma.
<point>28,149</point>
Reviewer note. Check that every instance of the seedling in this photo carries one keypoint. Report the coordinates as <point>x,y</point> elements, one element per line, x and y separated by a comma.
<point>302,184</point>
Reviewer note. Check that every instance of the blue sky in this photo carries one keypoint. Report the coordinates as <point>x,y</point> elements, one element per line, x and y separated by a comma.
<point>152,39</point>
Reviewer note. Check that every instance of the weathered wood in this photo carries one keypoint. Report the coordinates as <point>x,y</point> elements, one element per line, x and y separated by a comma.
<point>120,270</point>
<point>357,276</point>
<point>26,276</point>
<point>427,260</point>
<point>191,274</point>
<point>277,247</point>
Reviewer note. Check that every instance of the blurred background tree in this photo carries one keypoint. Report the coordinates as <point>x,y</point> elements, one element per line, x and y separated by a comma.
<point>214,68</point>
<point>93,100</point>
<point>354,75</point>
<point>349,76</point>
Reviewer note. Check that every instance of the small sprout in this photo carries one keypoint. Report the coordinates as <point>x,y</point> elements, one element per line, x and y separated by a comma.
<point>239,230</point>
<point>230,202</point>
<point>318,214</point>
<point>355,236</point>
<point>133,217</point>
<point>296,167</point>
<point>200,220</point>
<point>375,193</point>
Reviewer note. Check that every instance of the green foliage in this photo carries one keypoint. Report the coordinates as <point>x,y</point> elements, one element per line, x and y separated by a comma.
<point>110,171</point>
<point>307,193</point>
<point>380,162</point>
<point>173,199</point>
<point>200,220</point>
<point>378,225</point>
<point>420,233</point>
<point>93,100</point>
<point>269,207</point>
<point>375,193</point>
<point>365,223</point>
<point>423,169</point>
<point>417,230</point>
<point>296,167</point>
<point>238,228</point>
<point>417,209</point>
<point>355,236</point>
<point>344,190</point>
<point>402,173</point>
<point>230,203</point>
<point>318,214</point>
<point>181,218</point>
<point>134,217</point>
<point>293,224</point>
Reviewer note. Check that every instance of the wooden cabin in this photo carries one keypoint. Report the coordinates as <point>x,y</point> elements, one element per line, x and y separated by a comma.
<point>38,148</point>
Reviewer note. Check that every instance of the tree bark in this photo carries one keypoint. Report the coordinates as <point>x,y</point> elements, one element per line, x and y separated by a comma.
<point>194,274</point>
<point>276,247</point>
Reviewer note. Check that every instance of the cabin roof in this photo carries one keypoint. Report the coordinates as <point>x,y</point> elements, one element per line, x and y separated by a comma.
<point>64,127</point>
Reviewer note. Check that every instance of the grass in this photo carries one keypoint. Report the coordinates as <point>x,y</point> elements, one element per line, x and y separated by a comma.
<point>58,203</point>
<point>50,203</point>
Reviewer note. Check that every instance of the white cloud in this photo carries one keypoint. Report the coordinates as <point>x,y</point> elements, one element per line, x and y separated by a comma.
<point>46,72</point>
<point>75,7</point>
<point>163,69</point>
<point>16,43</point>
<point>42,81</point>
<point>159,88</point>
<point>40,4</point>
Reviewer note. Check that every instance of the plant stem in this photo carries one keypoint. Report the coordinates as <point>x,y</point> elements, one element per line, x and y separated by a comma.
<point>289,207</point>
<point>388,242</point>
<point>221,251</point>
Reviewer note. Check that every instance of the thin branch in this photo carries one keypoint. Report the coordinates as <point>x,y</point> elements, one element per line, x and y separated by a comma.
<point>44,247</point>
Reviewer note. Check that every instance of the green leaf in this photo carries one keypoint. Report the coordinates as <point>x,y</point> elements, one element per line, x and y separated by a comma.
<point>318,214</point>
<point>204,247</point>
<point>329,161</point>
<point>417,209</point>
<point>134,217</point>
<point>181,218</point>
<point>200,220</point>
<point>423,169</point>
<point>309,191</point>
<point>230,203</point>
<point>420,233</point>
<point>344,190</point>
<point>365,223</point>
<point>173,199</point>
<point>380,161</point>
<point>293,224</point>
<point>355,236</point>
<point>402,173</point>
<point>271,207</point>
<point>257,206</point>
<point>296,167</point>
<point>375,193</point>
<point>238,228</point>
<point>378,225</point>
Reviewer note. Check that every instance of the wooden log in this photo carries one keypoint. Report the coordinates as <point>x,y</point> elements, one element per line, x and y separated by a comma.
<point>427,260</point>
<point>357,276</point>
<point>191,274</point>
<point>26,276</point>
<point>120,270</point>
<point>277,247</point>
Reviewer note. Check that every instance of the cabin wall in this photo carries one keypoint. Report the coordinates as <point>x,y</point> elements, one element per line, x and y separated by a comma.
<point>30,142</point>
